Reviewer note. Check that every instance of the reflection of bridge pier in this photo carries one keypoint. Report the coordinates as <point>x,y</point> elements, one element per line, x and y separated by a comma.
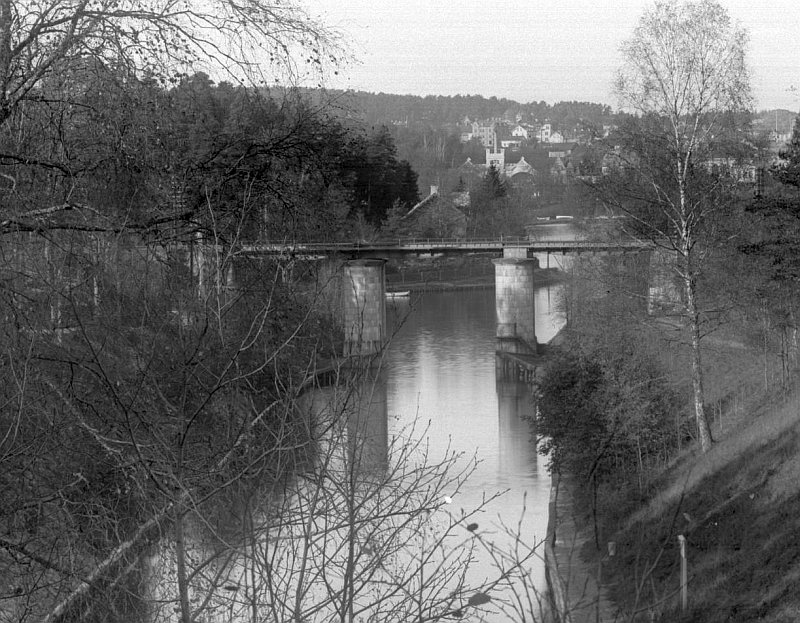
<point>350,413</point>
<point>516,423</point>
<point>367,424</point>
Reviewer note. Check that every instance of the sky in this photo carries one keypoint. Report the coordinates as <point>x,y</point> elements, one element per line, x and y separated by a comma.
<point>532,50</point>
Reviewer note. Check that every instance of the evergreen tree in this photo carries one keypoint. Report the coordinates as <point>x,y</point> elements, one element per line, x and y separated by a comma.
<point>376,177</point>
<point>775,216</point>
<point>493,184</point>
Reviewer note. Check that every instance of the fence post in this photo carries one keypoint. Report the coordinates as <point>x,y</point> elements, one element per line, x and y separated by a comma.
<point>684,575</point>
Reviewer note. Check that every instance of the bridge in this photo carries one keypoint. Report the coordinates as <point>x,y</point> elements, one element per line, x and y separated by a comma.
<point>363,278</point>
<point>505,246</point>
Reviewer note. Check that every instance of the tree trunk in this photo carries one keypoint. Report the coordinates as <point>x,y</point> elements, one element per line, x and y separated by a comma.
<point>183,584</point>
<point>6,20</point>
<point>703,429</point>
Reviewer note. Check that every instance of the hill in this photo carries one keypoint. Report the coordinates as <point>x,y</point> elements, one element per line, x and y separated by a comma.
<point>738,507</point>
<point>437,110</point>
<point>780,120</point>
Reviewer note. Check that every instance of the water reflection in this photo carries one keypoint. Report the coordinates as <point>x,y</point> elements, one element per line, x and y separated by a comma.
<point>360,523</point>
<point>515,410</point>
<point>441,369</point>
<point>367,426</point>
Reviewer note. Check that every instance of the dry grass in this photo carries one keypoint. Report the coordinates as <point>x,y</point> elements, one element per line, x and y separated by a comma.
<point>738,504</point>
<point>744,413</point>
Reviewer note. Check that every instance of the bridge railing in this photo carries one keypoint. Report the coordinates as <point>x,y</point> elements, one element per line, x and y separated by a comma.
<point>397,242</point>
<point>432,244</point>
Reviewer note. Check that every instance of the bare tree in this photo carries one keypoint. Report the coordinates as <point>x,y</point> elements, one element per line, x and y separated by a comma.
<point>684,72</point>
<point>155,458</point>
<point>252,40</point>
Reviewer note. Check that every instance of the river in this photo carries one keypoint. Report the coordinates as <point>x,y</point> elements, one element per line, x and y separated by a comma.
<point>348,537</point>
<point>440,369</point>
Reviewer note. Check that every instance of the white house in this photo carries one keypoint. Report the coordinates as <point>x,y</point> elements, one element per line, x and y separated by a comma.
<point>496,157</point>
<point>520,132</point>
<point>511,142</point>
<point>544,133</point>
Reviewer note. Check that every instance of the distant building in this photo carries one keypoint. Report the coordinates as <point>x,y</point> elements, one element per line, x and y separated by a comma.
<point>437,216</point>
<point>519,168</point>
<point>742,172</point>
<point>496,158</point>
<point>510,143</point>
<point>560,150</point>
<point>544,133</point>
<point>522,176</point>
<point>520,132</point>
<point>487,134</point>
<point>616,160</point>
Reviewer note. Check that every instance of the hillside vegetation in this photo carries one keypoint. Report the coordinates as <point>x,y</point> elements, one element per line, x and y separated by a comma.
<point>737,505</point>
<point>616,408</point>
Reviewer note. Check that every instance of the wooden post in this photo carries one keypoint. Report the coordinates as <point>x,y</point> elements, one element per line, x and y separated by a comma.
<point>684,575</point>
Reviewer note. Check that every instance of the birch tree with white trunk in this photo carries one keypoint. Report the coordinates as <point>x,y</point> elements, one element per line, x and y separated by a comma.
<point>685,70</point>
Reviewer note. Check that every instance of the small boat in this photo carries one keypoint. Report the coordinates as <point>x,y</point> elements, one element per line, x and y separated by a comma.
<point>398,295</point>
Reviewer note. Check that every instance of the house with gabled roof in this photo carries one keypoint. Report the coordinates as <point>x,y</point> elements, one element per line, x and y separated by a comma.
<point>437,216</point>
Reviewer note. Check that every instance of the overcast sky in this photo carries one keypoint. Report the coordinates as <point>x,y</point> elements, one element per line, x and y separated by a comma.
<point>532,50</point>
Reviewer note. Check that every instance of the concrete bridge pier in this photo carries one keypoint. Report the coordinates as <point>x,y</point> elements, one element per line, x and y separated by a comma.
<point>364,293</point>
<point>514,304</point>
<point>665,294</point>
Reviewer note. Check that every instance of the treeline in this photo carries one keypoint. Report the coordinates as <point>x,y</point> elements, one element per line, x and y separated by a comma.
<point>184,158</point>
<point>376,108</point>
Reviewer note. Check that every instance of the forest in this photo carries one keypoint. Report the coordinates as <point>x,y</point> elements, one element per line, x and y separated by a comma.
<point>162,453</point>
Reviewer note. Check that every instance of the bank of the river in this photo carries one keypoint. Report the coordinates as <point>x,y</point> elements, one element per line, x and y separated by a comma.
<point>460,272</point>
<point>574,584</point>
<point>468,281</point>
<point>738,507</point>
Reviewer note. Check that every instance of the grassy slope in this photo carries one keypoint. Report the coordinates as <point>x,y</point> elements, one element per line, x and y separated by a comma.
<point>738,505</point>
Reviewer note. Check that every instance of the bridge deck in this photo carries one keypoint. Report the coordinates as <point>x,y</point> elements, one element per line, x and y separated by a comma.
<point>418,246</point>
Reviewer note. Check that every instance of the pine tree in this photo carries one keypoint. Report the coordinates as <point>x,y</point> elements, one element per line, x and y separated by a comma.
<point>775,216</point>
<point>493,184</point>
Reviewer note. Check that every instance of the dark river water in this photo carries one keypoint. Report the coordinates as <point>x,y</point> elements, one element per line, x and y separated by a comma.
<point>440,371</point>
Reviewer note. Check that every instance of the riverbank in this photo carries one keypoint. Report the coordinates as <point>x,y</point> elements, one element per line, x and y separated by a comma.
<point>737,506</point>
<point>545,276</point>
<point>575,585</point>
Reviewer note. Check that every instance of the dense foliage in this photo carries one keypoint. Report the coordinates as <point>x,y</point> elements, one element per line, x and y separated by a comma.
<point>776,214</point>
<point>196,157</point>
<point>436,109</point>
<point>605,412</point>
<point>155,370</point>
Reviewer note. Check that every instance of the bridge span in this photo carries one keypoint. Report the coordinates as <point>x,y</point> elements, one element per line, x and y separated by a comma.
<point>364,278</point>
<point>504,246</point>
